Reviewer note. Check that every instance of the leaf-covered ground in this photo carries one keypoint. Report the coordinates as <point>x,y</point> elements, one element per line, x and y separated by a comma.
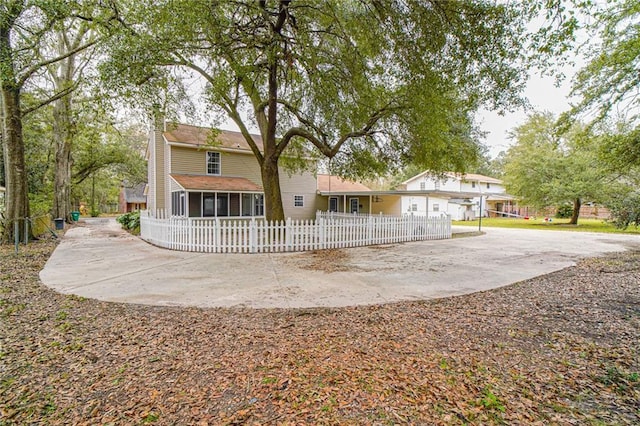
<point>558,349</point>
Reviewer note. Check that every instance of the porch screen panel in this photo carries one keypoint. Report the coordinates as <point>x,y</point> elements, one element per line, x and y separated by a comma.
<point>247,204</point>
<point>223,204</point>
<point>234,204</point>
<point>195,209</point>
<point>177,203</point>
<point>208,204</point>
<point>259,204</point>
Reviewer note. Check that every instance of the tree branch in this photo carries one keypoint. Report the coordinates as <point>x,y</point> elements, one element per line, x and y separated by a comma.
<point>35,67</point>
<point>61,94</point>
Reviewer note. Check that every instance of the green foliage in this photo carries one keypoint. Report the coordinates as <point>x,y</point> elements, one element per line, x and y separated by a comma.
<point>609,81</point>
<point>547,168</point>
<point>372,85</point>
<point>625,209</point>
<point>490,401</point>
<point>130,221</point>
<point>564,211</point>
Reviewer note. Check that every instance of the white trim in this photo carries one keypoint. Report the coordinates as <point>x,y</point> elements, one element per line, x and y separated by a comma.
<point>219,163</point>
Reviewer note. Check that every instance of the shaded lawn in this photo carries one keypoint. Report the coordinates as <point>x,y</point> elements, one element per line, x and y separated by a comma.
<point>584,225</point>
<point>558,349</point>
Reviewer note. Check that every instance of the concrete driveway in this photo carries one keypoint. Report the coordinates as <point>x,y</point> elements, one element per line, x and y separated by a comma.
<point>98,260</point>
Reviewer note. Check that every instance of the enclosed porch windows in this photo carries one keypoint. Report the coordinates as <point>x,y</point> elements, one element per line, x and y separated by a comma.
<point>217,204</point>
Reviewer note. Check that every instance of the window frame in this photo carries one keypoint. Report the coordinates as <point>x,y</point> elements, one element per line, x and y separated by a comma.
<point>298,201</point>
<point>213,163</point>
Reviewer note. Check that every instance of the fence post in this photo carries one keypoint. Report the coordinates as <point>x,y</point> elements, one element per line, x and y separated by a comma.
<point>26,231</point>
<point>16,234</point>
<point>216,242</point>
<point>321,232</point>
<point>288,231</point>
<point>253,237</point>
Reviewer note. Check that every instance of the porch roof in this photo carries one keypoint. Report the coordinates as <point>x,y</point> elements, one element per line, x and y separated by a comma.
<point>501,197</point>
<point>330,183</point>
<point>399,193</point>
<point>215,183</point>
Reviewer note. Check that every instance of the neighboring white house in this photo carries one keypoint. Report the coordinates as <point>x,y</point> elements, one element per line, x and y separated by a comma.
<point>491,195</point>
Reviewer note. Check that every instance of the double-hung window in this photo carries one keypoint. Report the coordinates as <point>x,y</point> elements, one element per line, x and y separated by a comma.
<point>298,201</point>
<point>213,163</point>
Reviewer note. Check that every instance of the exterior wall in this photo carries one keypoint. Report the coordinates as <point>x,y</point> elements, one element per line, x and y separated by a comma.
<point>389,204</point>
<point>494,188</point>
<point>421,205</point>
<point>188,161</point>
<point>445,184</point>
<point>457,212</point>
<point>156,169</point>
<point>304,184</point>
<point>364,204</point>
<point>194,161</point>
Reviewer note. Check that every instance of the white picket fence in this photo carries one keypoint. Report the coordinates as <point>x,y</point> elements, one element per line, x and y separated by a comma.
<point>329,230</point>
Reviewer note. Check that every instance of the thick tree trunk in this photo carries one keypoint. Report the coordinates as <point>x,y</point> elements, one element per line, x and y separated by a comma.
<point>17,198</point>
<point>271,185</point>
<point>63,137</point>
<point>576,212</point>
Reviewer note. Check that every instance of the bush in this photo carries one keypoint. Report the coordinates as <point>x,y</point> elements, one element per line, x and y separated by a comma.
<point>130,221</point>
<point>625,210</point>
<point>565,211</point>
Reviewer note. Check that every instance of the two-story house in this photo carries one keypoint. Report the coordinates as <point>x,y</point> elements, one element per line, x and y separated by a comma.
<point>195,172</point>
<point>488,195</point>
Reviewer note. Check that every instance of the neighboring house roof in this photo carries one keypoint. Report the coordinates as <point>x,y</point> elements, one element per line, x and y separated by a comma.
<point>135,194</point>
<point>329,183</point>
<point>200,136</point>
<point>215,183</point>
<point>469,177</point>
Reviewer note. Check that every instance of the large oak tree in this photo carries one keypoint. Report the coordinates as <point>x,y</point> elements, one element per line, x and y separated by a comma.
<point>368,84</point>
<point>549,169</point>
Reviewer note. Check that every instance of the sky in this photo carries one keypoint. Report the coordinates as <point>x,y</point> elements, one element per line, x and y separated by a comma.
<point>543,94</point>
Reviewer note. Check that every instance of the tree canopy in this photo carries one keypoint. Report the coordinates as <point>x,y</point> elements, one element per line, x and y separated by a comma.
<point>370,85</point>
<point>547,168</point>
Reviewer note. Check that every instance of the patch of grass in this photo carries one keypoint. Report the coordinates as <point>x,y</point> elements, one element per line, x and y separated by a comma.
<point>151,418</point>
<point>584,225</point>
<point>490,401</point>
<point>620,379</point>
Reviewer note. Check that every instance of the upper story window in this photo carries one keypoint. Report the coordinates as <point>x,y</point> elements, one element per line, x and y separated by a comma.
<point>422,186</point>
<point>213,163</point>
<point>488,185</point>
<point>298,201</point>
<point>437,185</point>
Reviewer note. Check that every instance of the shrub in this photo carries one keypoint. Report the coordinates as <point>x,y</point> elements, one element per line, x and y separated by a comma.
<point>130,221</point>
<point>564,211</point>
<point>625,210</point>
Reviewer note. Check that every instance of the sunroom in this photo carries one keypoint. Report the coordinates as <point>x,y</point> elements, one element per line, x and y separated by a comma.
<point>215,196</point>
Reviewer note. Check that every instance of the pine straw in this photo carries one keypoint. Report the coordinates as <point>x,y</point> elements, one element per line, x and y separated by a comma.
<point>558,349</point>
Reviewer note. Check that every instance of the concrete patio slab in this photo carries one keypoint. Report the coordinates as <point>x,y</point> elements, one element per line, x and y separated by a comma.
<point>99,260</point>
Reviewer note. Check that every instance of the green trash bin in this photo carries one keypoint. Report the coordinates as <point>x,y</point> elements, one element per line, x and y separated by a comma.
<point>75,216</point>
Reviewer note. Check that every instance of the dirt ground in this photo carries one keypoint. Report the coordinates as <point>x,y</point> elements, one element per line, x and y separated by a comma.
<point>563,348</point>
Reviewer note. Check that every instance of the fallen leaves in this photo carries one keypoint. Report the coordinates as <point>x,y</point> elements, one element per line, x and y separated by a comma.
<point>563,349</point>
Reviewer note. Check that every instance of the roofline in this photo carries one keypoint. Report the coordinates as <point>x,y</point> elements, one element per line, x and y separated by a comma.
<point>207,147</point>
<point>461,176</point>
<point>432,193</point>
